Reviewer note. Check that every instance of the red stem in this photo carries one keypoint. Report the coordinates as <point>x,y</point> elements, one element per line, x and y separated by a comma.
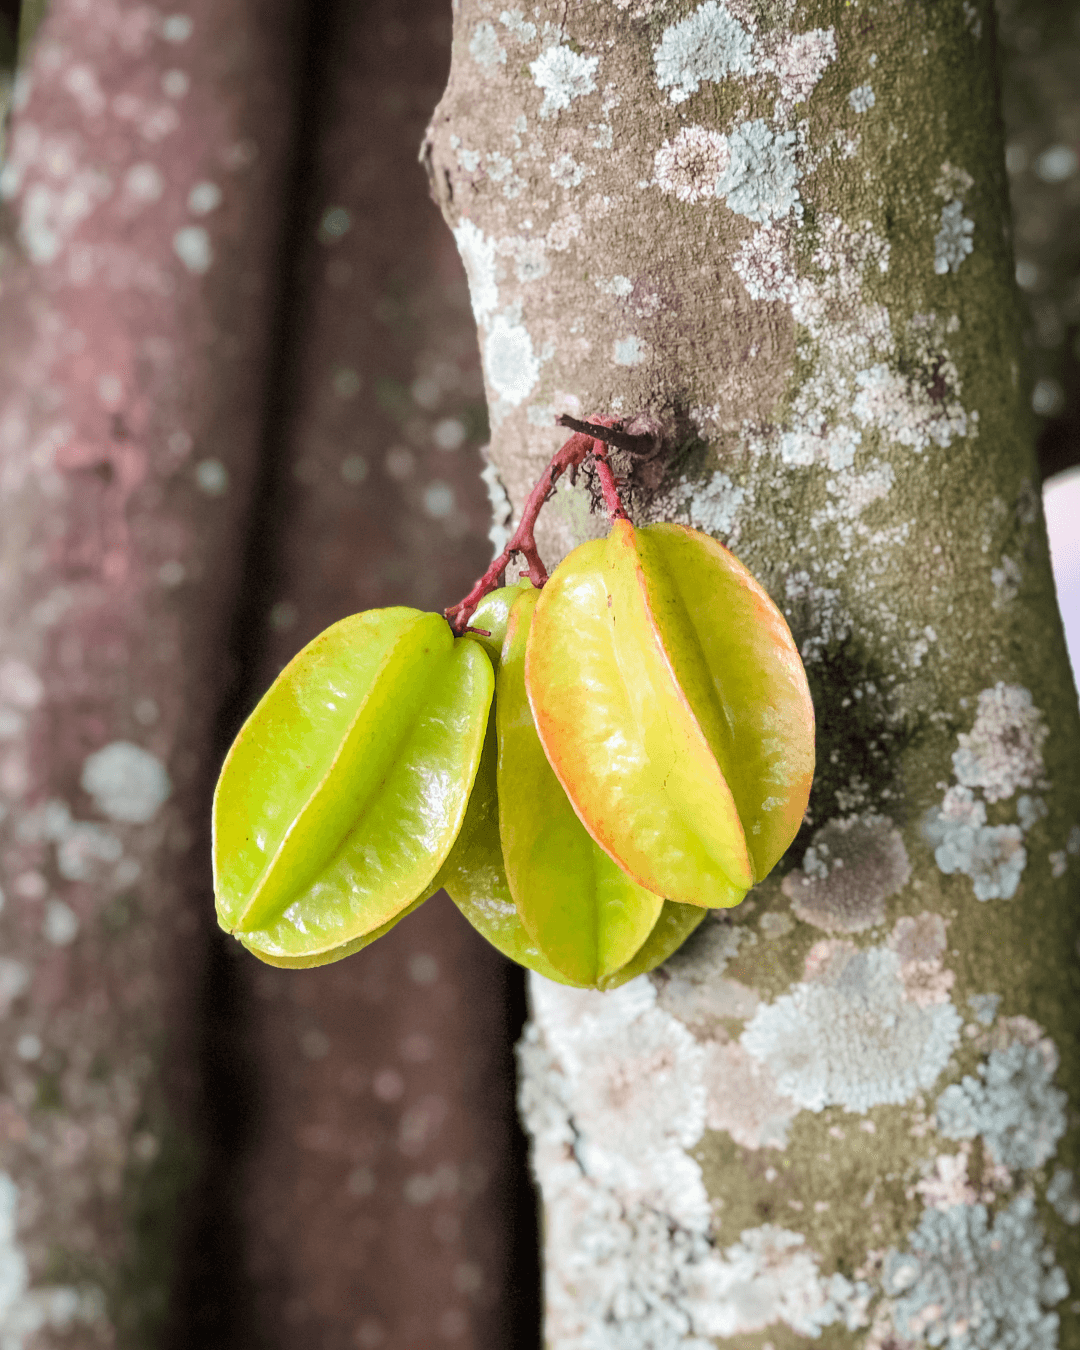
<point>570,456</point>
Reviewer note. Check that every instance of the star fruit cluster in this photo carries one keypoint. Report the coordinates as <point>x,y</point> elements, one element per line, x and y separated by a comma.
<point>586,762</point>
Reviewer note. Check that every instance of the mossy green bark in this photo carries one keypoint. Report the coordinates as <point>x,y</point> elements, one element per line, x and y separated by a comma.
<point>31,13</point>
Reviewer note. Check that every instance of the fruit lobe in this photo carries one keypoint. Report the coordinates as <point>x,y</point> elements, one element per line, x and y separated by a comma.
<point>475,879</point>
<point>585,914</point>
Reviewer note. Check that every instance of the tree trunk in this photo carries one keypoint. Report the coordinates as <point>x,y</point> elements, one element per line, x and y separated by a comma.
<point>777,232</point>
<point>142,192</point>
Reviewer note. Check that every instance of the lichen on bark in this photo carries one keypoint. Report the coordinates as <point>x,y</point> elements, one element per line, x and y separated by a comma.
<point>777,231</point>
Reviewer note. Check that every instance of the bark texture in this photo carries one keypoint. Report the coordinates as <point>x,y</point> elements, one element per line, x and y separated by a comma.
<point>778,232</point>
<point>142,191</point>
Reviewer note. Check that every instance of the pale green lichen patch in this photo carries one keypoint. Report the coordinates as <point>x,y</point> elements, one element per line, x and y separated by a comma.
<point>968,1280</point>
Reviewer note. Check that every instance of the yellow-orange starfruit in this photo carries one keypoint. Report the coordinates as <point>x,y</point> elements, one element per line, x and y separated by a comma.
<point>673,707</point>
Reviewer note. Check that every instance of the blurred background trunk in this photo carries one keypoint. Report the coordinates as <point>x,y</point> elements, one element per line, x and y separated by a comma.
<point>145,187</point>
<point>240,396</point>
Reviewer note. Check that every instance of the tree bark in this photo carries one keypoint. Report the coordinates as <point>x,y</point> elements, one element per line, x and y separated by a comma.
<point>778,233</point>
<point>142,193</point>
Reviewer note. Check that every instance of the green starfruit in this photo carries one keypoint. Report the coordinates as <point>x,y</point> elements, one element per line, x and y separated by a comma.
<point>346,788</point>
<point>673,708</point>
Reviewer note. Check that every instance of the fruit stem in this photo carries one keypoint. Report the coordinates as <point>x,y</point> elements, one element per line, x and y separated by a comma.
<point>589,438</point>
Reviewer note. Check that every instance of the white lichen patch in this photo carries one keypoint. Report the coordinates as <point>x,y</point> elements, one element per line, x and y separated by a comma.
<point>1030,810</point>
<point>691,165</point>
<point>984,1007</point>
<point>1001,753</point>
<point>26,1312</point>
<point>741,1093</point>
<point>502,512</point>
<point>771,1276</point>
<point>1006,581</point>
<point>953,241</point>
<point>60,924</point>
<point>860,386</point>
<point>691,983</point>
<point>821,610</point>
<point>204,197</point>
<point>1064,1195</point>
<point>629,1258</point>
<point>616,285</point>
<point>1011,1103</point>
<point>20,685</point>
<point>192,246</point>
<point>799,62</point>
<point>478,257</point>
<point>905,413</point>
<point>862,99</point>
<point>515,21</point>
<point>529,254</point>
<point>141,185</point>
<point>709,44</point>
<point>510,363</point>
<point>762,173</point>
<point>1003,750</point>
<point>635,1076</point>
<point>566,171</point>
<point>84,849</point>
<point>967,1283</point>
<point>702,1002</point>
<point>14,982</point>
<point>993,856</point>
<point>919,942</point>
<point>484,46</point>
<point>947,1183</point>
<point>563,75</point>
<point>126,782</point>
<point>712,506</point>
<point>57,189</point>
<point>850,869</point>
<point>847,1035</point>
<point>628,351</point>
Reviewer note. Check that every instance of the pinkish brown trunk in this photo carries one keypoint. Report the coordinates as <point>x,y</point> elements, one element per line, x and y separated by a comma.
<point>143,192</point>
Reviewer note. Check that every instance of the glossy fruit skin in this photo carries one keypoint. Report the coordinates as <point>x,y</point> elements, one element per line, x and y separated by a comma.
<point>586,915</point>
<point>347,786</point>
<point>475,877</point>
<point>328,955</point>
<point>673,707</point>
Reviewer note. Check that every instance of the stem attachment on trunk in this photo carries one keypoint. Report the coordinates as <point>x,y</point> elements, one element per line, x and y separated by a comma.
<point>589,438</point>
